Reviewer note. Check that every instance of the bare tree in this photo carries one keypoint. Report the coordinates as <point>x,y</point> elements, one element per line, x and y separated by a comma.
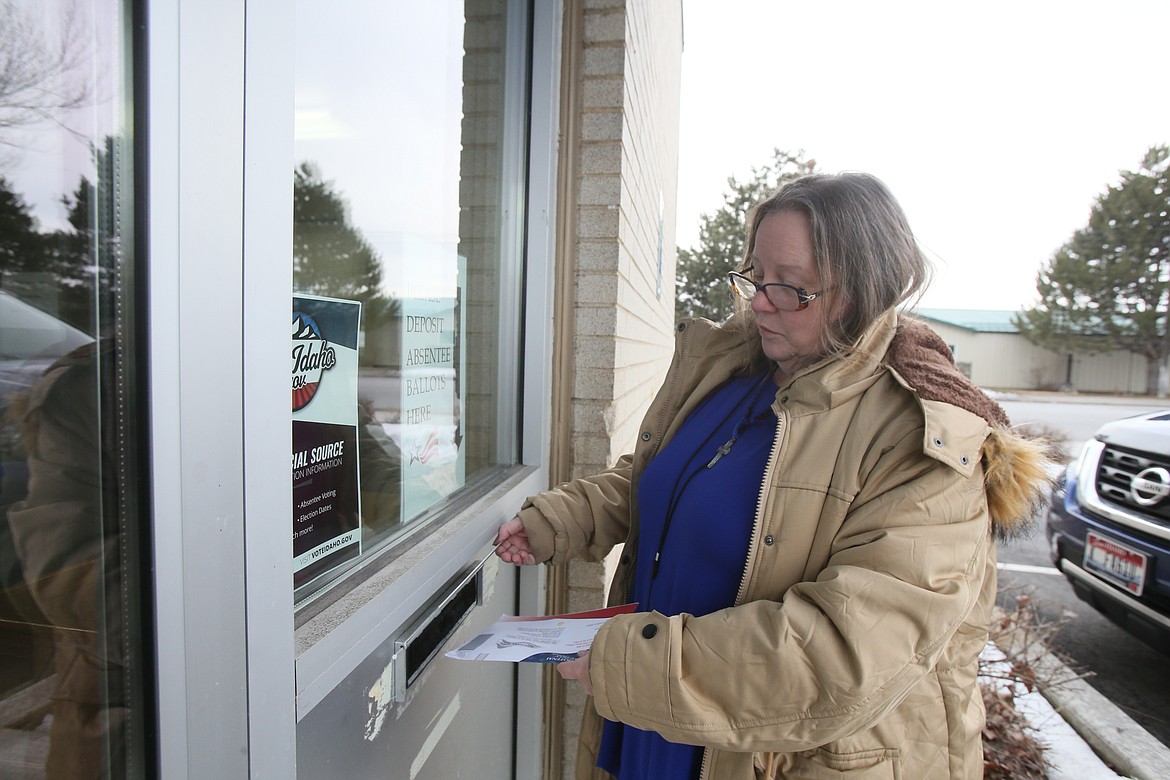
<point>43,73</point>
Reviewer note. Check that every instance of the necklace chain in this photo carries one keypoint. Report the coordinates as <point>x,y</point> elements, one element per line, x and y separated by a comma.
<point>747,419</point>
<point>676,493</point>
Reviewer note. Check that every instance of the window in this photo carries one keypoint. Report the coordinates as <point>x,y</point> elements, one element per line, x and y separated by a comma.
<point>406,269</point>
<point>70,629</point>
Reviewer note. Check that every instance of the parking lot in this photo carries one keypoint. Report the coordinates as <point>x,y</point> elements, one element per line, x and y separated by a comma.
<point>1126,671</point>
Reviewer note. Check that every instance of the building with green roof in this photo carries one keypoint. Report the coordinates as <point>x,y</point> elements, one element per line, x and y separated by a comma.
<point>988,347</point>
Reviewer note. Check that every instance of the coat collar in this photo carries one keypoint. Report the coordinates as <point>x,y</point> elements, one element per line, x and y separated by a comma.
<point>962,426</point>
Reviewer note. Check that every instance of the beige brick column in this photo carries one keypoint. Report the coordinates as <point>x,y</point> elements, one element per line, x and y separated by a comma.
<point>618,254</point>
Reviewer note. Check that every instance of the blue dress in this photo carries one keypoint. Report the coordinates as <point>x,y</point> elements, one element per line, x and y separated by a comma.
<point>696,522</point>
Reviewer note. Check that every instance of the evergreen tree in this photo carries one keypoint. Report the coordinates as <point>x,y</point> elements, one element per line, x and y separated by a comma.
<point>1108,286</point>
<point>70,272</point>
<point>87,260</point>
<point>21,252</point>
<point>330,256</point>
<point>701,281</point>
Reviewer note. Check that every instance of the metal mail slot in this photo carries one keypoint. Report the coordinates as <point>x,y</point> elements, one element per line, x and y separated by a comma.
<point>439,621</point>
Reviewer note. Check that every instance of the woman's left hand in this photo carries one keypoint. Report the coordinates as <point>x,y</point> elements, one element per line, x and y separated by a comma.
<point>577,669</point>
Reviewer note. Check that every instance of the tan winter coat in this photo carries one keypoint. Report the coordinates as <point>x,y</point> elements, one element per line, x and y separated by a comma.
<point>852,649</point>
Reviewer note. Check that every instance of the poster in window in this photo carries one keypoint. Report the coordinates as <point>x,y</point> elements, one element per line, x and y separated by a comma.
<point>430,430</point>
<point>326,504</point>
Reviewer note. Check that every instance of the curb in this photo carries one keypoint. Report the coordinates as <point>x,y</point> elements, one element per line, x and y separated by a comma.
<point>1112,734</point>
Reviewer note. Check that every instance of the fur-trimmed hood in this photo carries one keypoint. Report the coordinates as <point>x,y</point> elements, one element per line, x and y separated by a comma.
<point>1017,469</point>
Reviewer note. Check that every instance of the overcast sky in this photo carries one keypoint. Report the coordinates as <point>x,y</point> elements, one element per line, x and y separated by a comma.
<point>996,124</point>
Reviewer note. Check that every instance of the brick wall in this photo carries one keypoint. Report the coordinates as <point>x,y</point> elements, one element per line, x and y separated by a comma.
<point>623,315</point>
<point>481,166</point>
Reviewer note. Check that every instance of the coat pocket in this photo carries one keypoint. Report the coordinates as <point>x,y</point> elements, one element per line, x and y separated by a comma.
<point>822,764</point>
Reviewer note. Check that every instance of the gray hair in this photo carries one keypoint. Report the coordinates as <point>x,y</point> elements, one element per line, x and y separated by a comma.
<point>863,247</point>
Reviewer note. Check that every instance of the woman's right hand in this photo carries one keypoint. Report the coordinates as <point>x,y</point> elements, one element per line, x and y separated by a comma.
<point>512,543</point>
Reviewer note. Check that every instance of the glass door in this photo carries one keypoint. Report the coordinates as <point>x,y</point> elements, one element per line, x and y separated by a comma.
<point>71,641</point>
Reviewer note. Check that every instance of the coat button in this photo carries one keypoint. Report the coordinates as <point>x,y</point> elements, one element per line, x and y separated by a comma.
<point>937,442</point>
<point>650,631</point>
<point>646,436</point>
<point>769,540</point>
<point>784,399</point>
<point>682,326</point>
<point>625,560</point>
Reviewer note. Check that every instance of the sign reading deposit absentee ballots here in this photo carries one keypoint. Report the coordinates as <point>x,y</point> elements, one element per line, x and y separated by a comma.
<point>430,430</point>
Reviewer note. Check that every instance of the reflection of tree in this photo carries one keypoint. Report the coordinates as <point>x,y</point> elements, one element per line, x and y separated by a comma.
<point>330,255</point>
<point>20,243</point>
<point>74,263</point>
<point>40,76</point>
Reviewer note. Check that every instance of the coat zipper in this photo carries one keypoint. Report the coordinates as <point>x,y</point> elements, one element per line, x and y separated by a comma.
<point>752,544</point>
<point>741,594</point>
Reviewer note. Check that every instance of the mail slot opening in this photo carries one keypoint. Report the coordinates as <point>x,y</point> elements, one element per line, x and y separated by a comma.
<point>430,640</point>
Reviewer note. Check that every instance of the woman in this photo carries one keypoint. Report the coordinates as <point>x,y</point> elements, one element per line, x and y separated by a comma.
<point>808,519</point>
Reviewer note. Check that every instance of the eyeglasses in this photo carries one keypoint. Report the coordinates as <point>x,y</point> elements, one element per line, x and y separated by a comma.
<point>784,297</point>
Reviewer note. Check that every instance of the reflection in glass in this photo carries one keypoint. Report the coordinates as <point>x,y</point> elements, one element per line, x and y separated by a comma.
<point>397,205</point>
<point>70,687</point>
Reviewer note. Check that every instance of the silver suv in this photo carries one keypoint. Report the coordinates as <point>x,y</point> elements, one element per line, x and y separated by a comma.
<point>1109,525</point>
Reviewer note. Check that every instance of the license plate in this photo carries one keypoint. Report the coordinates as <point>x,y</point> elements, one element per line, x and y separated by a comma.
<point>1115,562</point>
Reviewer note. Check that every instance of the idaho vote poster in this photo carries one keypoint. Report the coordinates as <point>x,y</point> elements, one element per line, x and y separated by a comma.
<point>326,513</point>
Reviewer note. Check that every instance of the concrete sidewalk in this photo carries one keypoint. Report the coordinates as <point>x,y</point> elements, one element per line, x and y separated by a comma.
<point>1086,734</point>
